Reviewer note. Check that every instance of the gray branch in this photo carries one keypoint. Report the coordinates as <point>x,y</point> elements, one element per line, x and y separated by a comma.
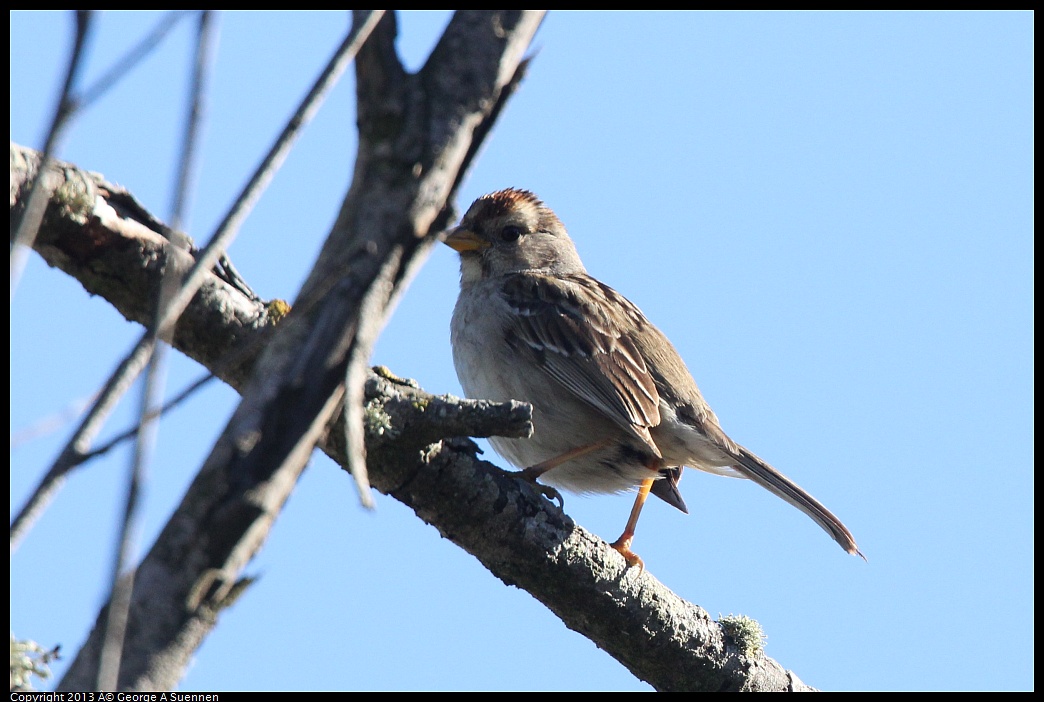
<point>405,178</point>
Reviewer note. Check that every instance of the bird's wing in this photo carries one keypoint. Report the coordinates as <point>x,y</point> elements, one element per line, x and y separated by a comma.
<point>579,332</point>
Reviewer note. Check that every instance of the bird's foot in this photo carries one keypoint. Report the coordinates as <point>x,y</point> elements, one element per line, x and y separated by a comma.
<point>531,474</point>
<point>623,547</point>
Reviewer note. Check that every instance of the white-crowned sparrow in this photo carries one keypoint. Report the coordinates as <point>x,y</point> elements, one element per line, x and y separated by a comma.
<point>614,406</point>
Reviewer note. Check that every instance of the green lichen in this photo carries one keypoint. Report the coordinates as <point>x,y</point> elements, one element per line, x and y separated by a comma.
<point>29,659</point>
<point>378,421</point>
<point>385,372</point>
<point>745,632</point>
<point>74,200</point>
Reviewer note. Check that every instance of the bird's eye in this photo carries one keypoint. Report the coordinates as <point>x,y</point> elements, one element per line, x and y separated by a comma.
<point>510,233</point>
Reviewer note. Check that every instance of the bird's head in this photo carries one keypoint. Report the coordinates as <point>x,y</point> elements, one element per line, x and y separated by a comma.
<point>511,231</point>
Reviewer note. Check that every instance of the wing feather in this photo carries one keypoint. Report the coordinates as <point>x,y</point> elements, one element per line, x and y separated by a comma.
<point>580,333</point>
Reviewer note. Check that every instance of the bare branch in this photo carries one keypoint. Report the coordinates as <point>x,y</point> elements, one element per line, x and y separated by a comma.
<point>119,382</point>
<point>512,530</point>
<point>24,229</point>
<point>96,232</point>
<point>174,305</point>
<point>520,537</point>
<point>191,140</point>
<point>126,63</point>
<point>122,582</point>
<point>89,232</point>
<point>128,434</point>
<point>404,179</point>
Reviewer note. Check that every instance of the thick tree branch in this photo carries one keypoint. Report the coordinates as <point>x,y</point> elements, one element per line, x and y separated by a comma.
<point>97,233</point>
<point>405,174</point>
<point>520,537</point>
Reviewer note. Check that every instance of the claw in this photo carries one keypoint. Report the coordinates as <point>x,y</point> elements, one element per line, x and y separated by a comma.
<point>530,475</point>
<point>623,547</point>
<point>551,494</point>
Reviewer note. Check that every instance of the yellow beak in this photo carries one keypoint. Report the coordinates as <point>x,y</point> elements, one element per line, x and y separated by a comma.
<point>462,240</point>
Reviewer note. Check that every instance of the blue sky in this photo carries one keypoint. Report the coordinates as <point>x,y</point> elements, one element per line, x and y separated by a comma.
<point>830,215</point>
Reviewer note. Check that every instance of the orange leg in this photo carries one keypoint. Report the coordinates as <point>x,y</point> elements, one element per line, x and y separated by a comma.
<point>533,472</point>
<point>623,544</point>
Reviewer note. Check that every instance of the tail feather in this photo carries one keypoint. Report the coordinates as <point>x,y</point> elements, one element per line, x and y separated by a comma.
<point>666,488</point>
<point>775,482</point>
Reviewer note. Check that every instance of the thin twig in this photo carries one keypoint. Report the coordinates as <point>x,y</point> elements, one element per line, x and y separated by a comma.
<point>122,576</point>
<point>243,205</point>
<point>133,431</point>
<point>135,360</point>
<point>152,391</point>
<point>371,317</point>
<point>39,194</point>
<point>118,383</point>
<point>51,423</point>
<point>126,63</point>
<point>191,139</point>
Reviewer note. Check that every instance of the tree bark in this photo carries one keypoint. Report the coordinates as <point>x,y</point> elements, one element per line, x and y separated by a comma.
<point>417,135</point>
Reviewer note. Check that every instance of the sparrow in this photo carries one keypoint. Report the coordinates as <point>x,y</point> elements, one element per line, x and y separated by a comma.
<point>614,406</point>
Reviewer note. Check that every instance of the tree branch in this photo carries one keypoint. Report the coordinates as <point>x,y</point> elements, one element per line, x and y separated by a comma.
<point>404,179</point>
<point>97,233</point>
<point>190,574</point>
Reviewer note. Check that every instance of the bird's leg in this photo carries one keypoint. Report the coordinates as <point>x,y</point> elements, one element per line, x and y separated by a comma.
<point>623,544</point>
<point>533,472</point>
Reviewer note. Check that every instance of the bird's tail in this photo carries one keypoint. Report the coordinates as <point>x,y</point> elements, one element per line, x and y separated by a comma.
<point>666,488</point>
<point>772,480</point>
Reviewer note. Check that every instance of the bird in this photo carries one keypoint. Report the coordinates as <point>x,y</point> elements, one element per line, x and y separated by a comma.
<point>614,406</point>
